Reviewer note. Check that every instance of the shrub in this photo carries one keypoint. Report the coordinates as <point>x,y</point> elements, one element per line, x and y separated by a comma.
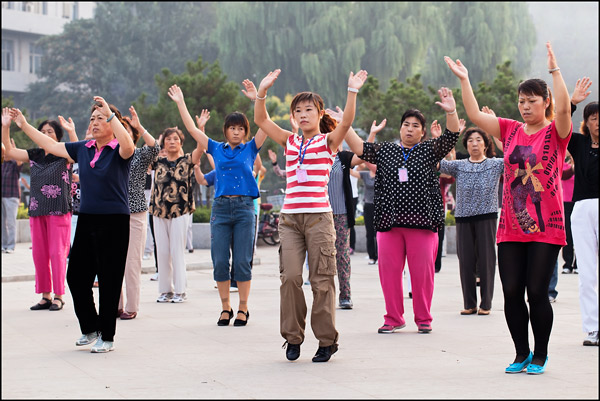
<point>450,220</point>
<point>22,212</point>
<point>359,221</point>
<point>202,215</point>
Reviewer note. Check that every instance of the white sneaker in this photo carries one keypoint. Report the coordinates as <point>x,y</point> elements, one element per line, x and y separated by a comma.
<point>233,289</point>
<point>372,262</point>
<point>146,256</point>
<point>154,277</point>
<point>87,338</point>
<point>591,339</point>
<point>9,251</point>
<point>178,298</point>
<point>551,299</point>
<point>103,346</point>
<point>566,271</point>
<point>165,297</point>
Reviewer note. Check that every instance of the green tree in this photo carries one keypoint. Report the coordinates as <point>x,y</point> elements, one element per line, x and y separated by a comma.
<point>117,53</point>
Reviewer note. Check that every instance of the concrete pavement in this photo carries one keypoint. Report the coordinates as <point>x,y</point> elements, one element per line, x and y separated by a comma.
<point>177,351</point>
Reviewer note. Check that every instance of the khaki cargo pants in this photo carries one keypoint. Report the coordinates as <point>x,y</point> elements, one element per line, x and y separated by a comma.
<point>314,232</point>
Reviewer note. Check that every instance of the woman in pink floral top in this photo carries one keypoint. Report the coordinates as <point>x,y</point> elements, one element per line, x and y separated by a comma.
<point>50,207</point>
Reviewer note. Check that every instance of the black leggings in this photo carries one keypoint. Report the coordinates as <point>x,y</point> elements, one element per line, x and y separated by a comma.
<point>527,265</point>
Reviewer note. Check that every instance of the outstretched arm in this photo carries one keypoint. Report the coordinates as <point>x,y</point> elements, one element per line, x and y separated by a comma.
<point>355,82</point>
<point>581,91</point>
<point>250,93</point>
<point>134,121</point>
<point>261,117</point>
<point>448,104</point>
<point>484,121</point>
<point>562,100</point>
<point>176,95</point>
<point>126,145</point>
<point>11,151</point>
<point>43,141</point>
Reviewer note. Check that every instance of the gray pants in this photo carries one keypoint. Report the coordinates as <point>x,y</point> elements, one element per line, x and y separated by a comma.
<point>10,207</point>
<point>476,249</point>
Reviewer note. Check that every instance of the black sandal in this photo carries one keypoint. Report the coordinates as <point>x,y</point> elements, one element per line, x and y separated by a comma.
<point>57,307</point>
<point>45,305</point>
<point>225,322</point>
<point>239,322</point>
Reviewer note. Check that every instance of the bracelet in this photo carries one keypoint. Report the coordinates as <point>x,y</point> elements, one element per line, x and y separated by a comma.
<point>352,90</point>
<point>110,118</point>
<point>553,70</point>
<point>146,132</point>
<point>451,112</point>
<point>260,98</point>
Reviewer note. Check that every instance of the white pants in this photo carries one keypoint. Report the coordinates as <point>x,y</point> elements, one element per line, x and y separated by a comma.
<point>170,237</point>
<point>138,223</point>
<point>10,208</point>
<point>584,225</point>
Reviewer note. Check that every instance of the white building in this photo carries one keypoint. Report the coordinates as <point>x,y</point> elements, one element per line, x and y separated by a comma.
<point>23,23</point>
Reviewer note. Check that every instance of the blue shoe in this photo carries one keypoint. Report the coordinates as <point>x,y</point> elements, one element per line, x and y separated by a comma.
<point>536,369</point>
<point>519,367</point>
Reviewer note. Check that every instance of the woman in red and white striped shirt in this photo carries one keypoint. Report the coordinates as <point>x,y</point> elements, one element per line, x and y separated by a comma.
<point>306,222</point>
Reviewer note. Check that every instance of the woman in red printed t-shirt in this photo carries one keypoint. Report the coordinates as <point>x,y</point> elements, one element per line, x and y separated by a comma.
<point>531,230</point>
<point>306,222</point>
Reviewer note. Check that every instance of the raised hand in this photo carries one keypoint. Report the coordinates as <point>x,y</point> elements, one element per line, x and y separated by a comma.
<point>203,119</point>
<point>250,90</point>
<point>462,124</point>
<point>67,125</point>
<point>17,117</point>
<point>487,110</point>
<point>448,104</point>
<point>103,108</point>
<point>551,58</point>
<point>457,68</point>
<point>436,129</point>
<point>269,80</point>
<point>357,81</point>
<point>581,90</point>
<point>272,156</point>
<point>6,120</point>
<point>176,94</point>
<point>337,115</point>
<point>134,120</point>
<point>377,128</point>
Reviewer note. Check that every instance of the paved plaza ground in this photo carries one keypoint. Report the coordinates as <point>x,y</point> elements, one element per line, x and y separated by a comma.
<point>176,351</point>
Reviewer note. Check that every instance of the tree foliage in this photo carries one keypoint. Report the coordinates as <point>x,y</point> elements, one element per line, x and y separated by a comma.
<point>117,53</point>
<point>317,44</point>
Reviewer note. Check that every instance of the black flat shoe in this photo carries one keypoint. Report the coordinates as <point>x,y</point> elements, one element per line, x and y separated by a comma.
<point>225,322</point>
<point>292,352</point>
<point>239,322</point>
<point>324,353</point>
<point>45,305</point>
<point>56,306</point>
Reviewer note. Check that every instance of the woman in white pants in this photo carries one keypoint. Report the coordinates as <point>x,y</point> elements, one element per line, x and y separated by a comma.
<point>171,205</point>
<point>584,219</point>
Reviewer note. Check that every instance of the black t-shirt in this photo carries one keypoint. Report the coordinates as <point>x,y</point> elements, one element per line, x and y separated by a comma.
<point>586,167</point>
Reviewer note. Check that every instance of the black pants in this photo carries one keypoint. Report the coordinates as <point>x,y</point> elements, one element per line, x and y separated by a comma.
<point>369,214</point>
<point>438,258</point>
<point>567,252</point>
<point>527,266</point>
<point>151,223</point>
<point>476,247</point>
<point>99,248</point>
<point>352,232</point>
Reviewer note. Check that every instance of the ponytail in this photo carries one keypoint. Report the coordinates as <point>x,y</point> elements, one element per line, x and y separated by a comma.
<point>550,109</point>
<point>327,124</point>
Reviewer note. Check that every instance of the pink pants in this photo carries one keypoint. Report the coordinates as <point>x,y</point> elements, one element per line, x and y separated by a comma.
<point>50,243</point>
<point>420,248</point>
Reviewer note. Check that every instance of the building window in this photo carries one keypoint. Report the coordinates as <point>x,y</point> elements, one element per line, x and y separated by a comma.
<point>67,6</point>
<point>76,10</point>
<point>8,4</point>
<point>35,59</point>
<point>45,7</point>
<point>8,55</point>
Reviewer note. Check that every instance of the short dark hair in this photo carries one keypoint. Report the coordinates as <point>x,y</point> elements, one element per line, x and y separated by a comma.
<point>167,132</point>
<point>588,111</point>
<point>490,151</point>
<point>236,119</point>
<point>419,116</point>
<point>55,126</point>
<point>538,87</point>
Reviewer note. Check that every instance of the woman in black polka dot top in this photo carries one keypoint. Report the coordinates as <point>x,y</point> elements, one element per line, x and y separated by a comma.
<point>408,209</point>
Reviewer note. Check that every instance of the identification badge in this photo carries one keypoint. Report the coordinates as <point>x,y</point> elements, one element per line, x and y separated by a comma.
<point>301,175</point>
<point>403,175</point>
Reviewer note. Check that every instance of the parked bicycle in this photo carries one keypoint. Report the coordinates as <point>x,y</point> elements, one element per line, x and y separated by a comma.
<point>267,226</point>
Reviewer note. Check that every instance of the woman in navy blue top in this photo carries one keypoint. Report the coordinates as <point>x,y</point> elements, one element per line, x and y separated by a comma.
<point>232,216</point>
<point>102,234</point>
